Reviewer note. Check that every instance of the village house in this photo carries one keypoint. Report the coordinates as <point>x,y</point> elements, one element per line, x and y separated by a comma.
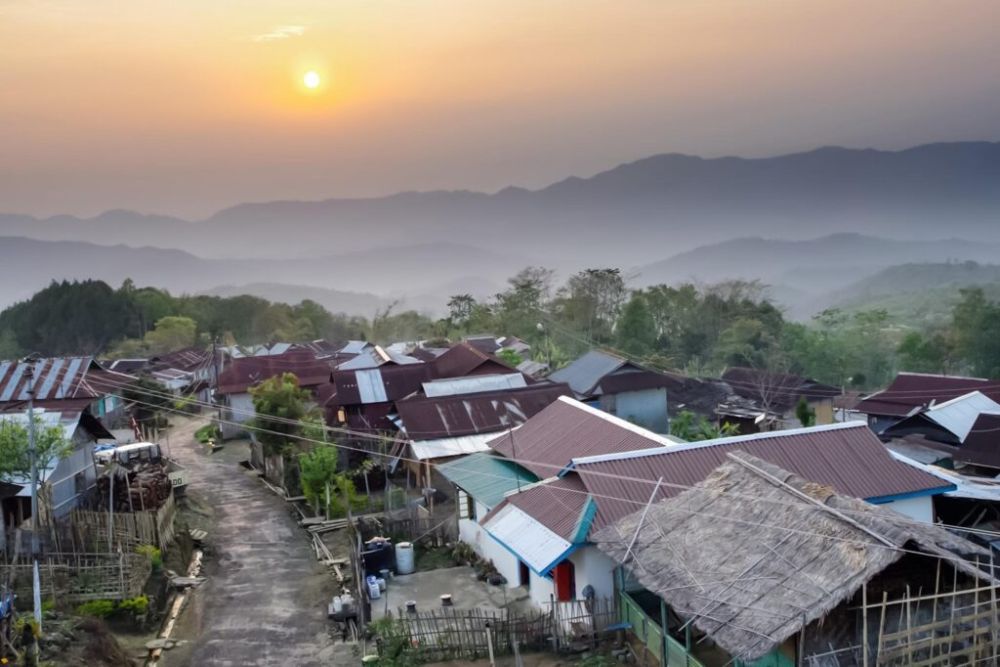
<point>621,387</point>
<point>537,450</point>
<point>909,393</point>
<point>775,396</point>
<point>243,373</point>
<point>376,356</point>
<point>548,527</point>
<point>76,395</point>
<point>756,566</point>
<point>455,417</point>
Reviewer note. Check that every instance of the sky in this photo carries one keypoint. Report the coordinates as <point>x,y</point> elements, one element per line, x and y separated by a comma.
<point>184,107</point>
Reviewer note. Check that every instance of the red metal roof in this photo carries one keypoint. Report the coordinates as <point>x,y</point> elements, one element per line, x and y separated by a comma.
<point>245,372</point>
<point>547,442</point>
<point>466,414</point>
<point>848,457</point>
<point>982,445</point>
<point>911,391</point>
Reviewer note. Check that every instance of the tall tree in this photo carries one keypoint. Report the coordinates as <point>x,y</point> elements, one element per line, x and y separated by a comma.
<point>281,407</point>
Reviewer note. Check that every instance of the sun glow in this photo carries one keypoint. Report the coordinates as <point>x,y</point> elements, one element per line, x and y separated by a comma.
<point>311,80</point>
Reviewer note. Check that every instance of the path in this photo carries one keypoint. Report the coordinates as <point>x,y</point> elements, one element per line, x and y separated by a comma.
<point>265,599</point>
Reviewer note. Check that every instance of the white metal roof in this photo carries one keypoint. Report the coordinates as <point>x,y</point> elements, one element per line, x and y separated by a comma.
<point>970,488</point>
<point>959,414</point>
<point>371,388</point>
<point>533,543</point>
<point>455,446</point>
<point>474,385</point>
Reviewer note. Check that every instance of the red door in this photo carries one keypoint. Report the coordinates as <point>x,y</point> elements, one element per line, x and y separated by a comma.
<point>565,578</point>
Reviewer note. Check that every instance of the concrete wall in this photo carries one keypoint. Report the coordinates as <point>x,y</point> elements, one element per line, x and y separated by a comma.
<point>541,591</point>
<point>239,409</point>
<point>470,532</point>
<point>647,408</point>
<point>595,569</point>
<point>920,509</point>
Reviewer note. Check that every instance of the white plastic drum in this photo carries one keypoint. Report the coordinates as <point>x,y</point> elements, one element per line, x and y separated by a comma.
<point>404,558</point>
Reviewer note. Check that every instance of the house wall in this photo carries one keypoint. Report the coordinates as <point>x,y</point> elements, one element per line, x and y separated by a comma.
<point>470,532</point>
<point>647,408</point>
<point>595,569</point>
<point>66,487</point>
<point>542,591</point>
<point>824,411</point>
<point>920,509</point>
<point>239,409</point>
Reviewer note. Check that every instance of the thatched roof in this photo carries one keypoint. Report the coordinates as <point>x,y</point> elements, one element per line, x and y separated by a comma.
<point>750,574</point>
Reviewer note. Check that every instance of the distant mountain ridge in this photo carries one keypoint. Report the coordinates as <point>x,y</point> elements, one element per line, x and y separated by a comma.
<point>652,207</point>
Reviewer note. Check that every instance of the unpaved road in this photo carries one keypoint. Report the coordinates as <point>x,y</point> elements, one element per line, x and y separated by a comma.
<point>265,599</point>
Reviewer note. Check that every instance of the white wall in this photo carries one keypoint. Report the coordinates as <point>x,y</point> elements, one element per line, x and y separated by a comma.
<point>542,591</point>
<point>920,509</point>
<point>470,532</point>
<point>241,406</point>
<point>595,569</point>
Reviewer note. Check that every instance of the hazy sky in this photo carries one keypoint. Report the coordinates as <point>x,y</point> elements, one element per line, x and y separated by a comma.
<point>187,106</point>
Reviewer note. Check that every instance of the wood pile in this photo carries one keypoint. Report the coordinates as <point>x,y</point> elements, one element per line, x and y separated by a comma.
<point>143,488</point>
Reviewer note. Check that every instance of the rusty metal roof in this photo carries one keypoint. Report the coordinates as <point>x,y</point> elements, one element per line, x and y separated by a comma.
<point>566,429</point>
<point>847,457</point>
<point>982,444</point>
<point>376,385</point>
<point>910,392</point>
<point>464,359</point>
<point>58,379</point>
<point>424,418</point>
<point>245,372</point>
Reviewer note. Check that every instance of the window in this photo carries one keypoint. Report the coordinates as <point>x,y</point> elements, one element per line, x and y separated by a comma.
<point>466,506</point>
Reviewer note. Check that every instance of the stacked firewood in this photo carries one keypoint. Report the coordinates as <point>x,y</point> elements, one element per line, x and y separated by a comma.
<point>144,487</point>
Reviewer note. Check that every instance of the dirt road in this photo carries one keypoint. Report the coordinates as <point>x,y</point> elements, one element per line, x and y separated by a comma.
<point>265,599</point>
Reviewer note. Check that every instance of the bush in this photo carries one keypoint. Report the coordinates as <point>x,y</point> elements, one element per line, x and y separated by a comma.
<point>138,605</point>
<point>97,608</point>
<point>208,432</point>
<point>153,553</point>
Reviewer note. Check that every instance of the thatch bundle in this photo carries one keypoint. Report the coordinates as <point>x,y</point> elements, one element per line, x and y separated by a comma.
<point>752,573</point>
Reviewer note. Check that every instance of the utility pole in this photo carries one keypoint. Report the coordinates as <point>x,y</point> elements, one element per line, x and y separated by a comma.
<point>215,385</point>
<point>29,374</point>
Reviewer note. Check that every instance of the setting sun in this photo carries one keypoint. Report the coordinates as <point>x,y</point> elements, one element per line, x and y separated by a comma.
<point>311,80</point>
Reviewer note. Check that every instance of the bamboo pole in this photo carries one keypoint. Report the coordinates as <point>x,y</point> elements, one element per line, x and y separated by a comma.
<point>864,624</point>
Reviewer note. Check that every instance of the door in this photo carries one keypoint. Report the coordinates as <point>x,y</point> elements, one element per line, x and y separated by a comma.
<point>524,574</point>
<point>565,578</point>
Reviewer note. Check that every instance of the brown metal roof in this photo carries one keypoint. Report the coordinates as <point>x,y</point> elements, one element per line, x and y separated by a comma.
<point>911,391</point>
<point>783,390</point>
<point>59,379</point>
<point>245,372</point>
<point>186,359</point>
<point>557,504</point>
<point>396,382</point>
<point>467,414</point>
<point>547,442</point>
<point>847,457</point>
<point>464,359</point>
<point>982,445</point>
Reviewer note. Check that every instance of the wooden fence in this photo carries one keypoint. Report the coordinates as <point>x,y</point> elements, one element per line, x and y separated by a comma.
<point>454,634</point>
<point>89,529</point>
<point>81,577</point>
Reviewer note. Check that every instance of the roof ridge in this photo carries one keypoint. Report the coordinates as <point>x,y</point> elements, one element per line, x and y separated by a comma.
<point>618,421</point>
<point>941,375</point>
<point>963,397</point>
<point>730,440</point>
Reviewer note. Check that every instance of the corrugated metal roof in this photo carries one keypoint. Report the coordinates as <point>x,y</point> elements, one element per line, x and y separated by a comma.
<point>558,504</point>
<point>464,359</point>
<point>911,391</point>
<point>354,347</point>
<point>959,414</point>
<point>982,443</point>
<point>244,372</point>
<point>425,418</point>
<point>547,442</point>
<point>473,385</point>
<point>441,448</point>
<point>374,357</point>
<point>584,373</point>
<point>397,382</point>
<point>486,478</point>
<point>533,543</point>
<point>371,387</point>
<point>847,457</point>
<point>59,379</point>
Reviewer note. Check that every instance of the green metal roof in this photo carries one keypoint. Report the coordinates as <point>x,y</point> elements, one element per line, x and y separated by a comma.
<point>486,476</point>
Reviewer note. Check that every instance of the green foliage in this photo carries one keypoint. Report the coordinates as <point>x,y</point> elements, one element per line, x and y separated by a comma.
<point>151,398</point>
<point>805,414</point>
<point>137,606</point>
<point>281,406</point>
<point>636,333</point>
<point>208,432</point>
<point>318,468</point>
<point>394,646</point>
<point>171,333</point>
<point>97,608</point>
<point>153,553</point>
<point>15,460</point>
<point>510,357</point>
<point>691,427</point>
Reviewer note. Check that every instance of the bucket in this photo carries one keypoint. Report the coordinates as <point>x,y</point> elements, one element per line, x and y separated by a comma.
<point>404,558</point>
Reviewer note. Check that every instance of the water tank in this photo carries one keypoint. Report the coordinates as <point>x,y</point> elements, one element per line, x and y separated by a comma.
<point>404,558</point>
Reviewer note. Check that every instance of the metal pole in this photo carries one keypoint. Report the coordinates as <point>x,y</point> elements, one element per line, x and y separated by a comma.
<point>32,452</point>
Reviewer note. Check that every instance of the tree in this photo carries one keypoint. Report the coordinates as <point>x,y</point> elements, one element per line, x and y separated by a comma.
<point>150,397</point>
<point>281,405</point>
<point>976,326</point>
<point>591,302</point>
<point>636,330</point>
<point>51,445</point>
<point>317,471</point>
<point>460,310</point>
<point>921,354</point>
<point>171,333</point>
<point>510,357</point>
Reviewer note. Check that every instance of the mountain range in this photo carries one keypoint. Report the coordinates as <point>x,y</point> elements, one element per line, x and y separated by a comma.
<point>644,210</point>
